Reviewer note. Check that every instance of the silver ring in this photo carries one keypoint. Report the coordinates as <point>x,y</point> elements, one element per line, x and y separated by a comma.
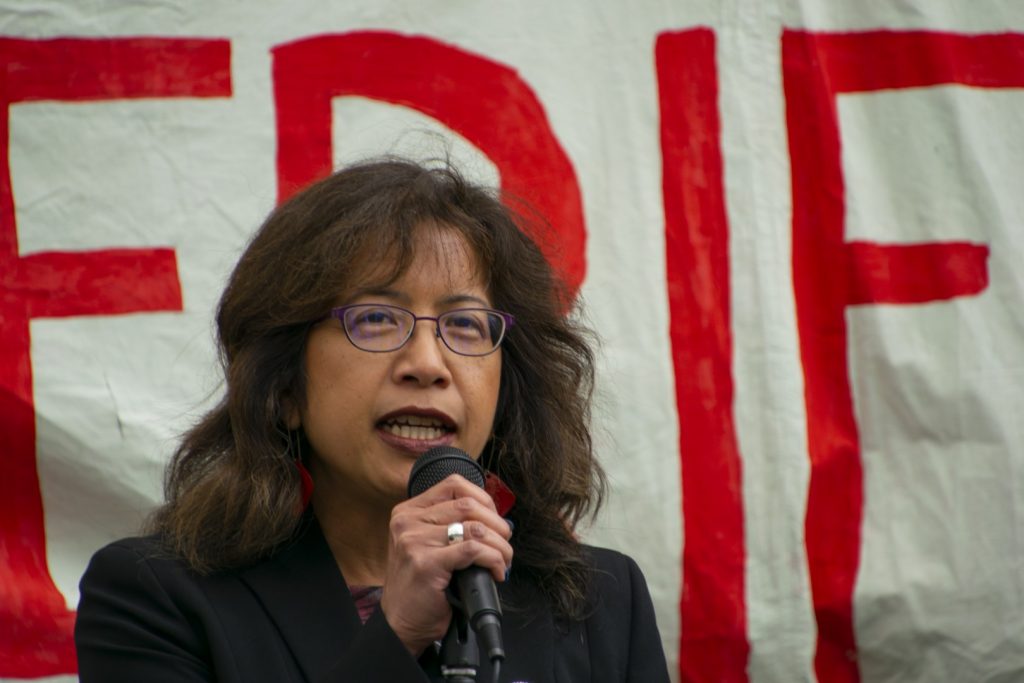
<point>455,532</point>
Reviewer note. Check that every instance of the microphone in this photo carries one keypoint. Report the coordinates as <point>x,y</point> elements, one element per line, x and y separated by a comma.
<point>477,596</point>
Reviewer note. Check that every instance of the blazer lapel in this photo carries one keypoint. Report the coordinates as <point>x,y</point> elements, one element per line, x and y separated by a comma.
<point>304,593</point>
<point>531,639</point>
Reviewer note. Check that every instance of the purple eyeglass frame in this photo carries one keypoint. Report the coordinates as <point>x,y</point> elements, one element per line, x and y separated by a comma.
<point>509,320</point>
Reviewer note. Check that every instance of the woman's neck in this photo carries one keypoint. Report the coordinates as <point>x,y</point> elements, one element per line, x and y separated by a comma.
<point>357,536</point>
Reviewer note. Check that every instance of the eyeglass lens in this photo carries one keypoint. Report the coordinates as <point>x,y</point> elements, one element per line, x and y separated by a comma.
<point>467,331</point>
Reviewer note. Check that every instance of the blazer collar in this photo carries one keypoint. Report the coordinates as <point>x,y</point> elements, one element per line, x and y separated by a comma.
<point>304,593</point>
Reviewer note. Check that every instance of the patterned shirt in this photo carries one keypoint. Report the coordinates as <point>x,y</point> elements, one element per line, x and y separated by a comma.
<point>366,598</point>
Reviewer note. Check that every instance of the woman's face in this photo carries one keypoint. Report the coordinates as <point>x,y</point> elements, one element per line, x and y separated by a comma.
<point>368,416</point>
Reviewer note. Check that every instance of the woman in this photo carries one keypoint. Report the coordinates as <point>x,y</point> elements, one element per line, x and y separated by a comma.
<point>383,311</point>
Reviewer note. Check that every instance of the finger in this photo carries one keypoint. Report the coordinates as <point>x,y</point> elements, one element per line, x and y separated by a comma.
<point>467,509</point>
<point>459,532</point>
<point>408,530</point>
<point>473,552</point>
<point>441,507</point>
<point>476,535</point>
<point>484,534</point>
<point>454,486</point>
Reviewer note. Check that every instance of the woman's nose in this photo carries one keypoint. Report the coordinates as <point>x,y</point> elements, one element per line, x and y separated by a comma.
<point>423,358</point>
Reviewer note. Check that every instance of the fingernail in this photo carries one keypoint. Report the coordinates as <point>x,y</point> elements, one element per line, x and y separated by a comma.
<point>511,524</point>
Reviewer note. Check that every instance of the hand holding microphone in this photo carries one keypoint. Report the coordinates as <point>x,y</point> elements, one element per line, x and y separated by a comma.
<point>422,561</point>
<point>473,589</point>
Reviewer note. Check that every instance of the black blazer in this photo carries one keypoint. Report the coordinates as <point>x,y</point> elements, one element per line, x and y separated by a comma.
<point>144,617</point>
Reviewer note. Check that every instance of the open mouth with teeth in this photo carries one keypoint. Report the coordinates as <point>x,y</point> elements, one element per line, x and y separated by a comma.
<point>416,427</point>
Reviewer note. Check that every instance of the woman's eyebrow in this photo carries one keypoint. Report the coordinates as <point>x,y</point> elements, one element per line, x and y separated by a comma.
<point>402,298</point>
<point>464,299</point>
<point>382,292</point>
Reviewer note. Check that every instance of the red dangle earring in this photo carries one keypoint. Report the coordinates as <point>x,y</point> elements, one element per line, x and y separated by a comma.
<point>305,478</point>
<point>499,492</point>
<point>503,497</point>
<point>306,482</point>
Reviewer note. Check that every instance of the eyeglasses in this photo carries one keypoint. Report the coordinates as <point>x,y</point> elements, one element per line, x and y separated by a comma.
<point>380,328</point>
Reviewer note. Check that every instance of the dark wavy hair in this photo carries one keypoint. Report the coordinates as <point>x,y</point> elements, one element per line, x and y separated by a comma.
<point>232,488</point>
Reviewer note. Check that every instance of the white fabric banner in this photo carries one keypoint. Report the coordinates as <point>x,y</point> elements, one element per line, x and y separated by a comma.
<point>803,243</point>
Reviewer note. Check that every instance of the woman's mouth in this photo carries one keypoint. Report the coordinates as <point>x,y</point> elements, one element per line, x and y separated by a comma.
<point>416,427</point>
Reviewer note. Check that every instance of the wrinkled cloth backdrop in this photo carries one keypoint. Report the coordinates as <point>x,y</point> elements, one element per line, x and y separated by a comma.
<point>797,226</point>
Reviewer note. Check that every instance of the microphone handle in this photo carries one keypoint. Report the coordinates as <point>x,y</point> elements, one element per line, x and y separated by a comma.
<point>481,605</point>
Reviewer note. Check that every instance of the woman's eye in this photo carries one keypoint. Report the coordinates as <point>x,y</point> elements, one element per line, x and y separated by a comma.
<point>375,317</point>
<point>465,324</point>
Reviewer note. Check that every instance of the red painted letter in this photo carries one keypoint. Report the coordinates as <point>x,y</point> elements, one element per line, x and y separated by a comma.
<point>713,639</point>
<point>485,102</point>
<point>35,625</point>
<point>830,273</point>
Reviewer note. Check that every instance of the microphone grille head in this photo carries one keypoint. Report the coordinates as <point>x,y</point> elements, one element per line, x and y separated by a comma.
<point>438,464</point>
